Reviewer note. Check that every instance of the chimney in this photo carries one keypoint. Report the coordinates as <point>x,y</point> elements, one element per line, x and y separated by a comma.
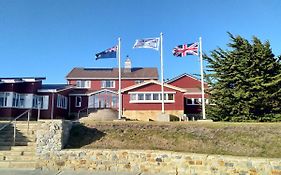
<point>128,65</point>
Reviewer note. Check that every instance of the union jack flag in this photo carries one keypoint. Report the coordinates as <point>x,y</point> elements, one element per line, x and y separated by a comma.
<point>186,49</point>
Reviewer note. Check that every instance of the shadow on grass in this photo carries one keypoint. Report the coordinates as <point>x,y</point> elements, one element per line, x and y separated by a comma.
<point>81,135</point>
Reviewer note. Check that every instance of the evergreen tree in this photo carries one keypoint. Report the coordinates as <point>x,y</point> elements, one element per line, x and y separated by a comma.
<point>246,82</point>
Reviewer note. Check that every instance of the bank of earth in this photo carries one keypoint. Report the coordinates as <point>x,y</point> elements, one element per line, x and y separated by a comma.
<point>239,139</point>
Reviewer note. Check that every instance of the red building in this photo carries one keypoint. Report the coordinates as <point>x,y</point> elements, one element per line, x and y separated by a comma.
<point>21,94</point>
<point>91,89</point>
<point>97,88</point>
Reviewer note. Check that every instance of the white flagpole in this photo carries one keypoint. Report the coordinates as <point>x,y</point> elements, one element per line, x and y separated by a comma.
<point>162,72</point>
<point>119,80</point>
<point>202,80</point>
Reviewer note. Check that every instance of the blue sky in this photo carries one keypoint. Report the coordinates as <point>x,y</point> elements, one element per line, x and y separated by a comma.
<point>49,37</point>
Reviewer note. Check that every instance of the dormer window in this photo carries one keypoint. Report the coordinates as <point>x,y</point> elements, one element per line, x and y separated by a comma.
<point>139,81</point>
<point>83,83</point>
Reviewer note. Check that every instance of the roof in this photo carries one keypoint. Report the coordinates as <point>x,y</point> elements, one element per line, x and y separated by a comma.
<point>180,76</point>
<point>54,87</point>
<point>20,79</point>
<point>152,82</point>
<point>112,73</point>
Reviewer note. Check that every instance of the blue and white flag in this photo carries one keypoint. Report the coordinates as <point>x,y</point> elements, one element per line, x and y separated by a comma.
<point>108,53</point>
<point>148,43</point>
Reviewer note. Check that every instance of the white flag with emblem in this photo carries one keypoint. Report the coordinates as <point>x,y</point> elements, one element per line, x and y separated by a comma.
<point>148,43</point>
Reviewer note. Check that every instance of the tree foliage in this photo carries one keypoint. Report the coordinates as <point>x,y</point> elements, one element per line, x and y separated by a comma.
<point>245,81</point>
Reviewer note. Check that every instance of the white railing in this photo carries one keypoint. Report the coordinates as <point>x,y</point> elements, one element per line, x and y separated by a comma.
<point>14,122</point>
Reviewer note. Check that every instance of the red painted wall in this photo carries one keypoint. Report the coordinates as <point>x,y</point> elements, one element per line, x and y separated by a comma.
<point>84,104</point>
<point>187,82</point>
<point>177,105</point>
<point>96,84</point>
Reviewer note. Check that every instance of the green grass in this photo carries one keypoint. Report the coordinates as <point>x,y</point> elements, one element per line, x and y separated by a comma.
<point>243,139</point>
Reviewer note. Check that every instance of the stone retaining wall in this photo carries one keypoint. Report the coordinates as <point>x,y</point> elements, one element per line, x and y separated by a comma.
<point>158,162</point>
<point>52,136</point>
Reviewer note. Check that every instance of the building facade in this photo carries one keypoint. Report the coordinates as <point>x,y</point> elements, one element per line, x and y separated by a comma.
<point>91,89</point>
<point>21,94</point>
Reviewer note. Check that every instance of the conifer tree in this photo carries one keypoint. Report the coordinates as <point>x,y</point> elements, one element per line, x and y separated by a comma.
<point>245,82</point>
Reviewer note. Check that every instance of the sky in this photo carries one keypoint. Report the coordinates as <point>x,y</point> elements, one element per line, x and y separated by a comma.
<point>47,38</point>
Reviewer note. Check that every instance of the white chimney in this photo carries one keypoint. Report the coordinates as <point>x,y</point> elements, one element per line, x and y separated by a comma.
<point>128,65</point>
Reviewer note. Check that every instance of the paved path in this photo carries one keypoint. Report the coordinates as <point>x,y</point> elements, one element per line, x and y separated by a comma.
<point>40,172</point>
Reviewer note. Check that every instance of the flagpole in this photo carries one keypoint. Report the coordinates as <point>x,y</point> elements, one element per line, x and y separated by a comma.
<point>162,72</point>
<point>119,79</point>
<point>202,80</point>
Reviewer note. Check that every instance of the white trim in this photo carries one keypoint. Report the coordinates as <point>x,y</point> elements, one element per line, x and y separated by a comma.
<point>150,82</point>
<point>54,90</point>
<point>87,84</point>
<point>104,82</point>
<point>193,93</point>
<point>47,90</point>
<point>152,92</point>
<point>183,75</point>
<point>159,100</point>
<point>95,92</point>
<point>80,102</point>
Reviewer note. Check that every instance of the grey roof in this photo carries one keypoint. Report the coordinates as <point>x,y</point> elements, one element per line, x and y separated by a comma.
<point>106,73</point>
<point>55,86</point>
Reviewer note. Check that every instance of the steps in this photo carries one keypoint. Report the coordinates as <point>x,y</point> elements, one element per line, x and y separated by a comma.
<point>21,153</point>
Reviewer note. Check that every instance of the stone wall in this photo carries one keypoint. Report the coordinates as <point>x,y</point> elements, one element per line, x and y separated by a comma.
<point>158,162</point>
<point>147,115</point>
<point>52,135</point>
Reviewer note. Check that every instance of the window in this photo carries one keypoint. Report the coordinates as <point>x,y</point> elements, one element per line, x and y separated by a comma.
<point>189,101</point>
<point>37,100</point>
<point>61,101</point>
<point>170,96</point>
<point>18,100</point>
<point>147,97</point>
<point>83,83</point>
<point>3,99</point>
<point>133,97</point>
<point>140,96</point>
<point>195,101</point>
<point>139,81</point>
<point>78,101</point>
<point>108,84</point>
<point>155,96</point>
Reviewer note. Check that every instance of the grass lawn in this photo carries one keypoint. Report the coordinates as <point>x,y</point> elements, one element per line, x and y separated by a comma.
<point>243,139</point>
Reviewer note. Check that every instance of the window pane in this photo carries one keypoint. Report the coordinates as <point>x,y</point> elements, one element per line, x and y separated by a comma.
<point>133,97</point>
<point>147,96</point>
<point>140,96</point>
<point>188,101</point>
<point>155,96</point>
<point>196,101</point>
<point>170,96</point>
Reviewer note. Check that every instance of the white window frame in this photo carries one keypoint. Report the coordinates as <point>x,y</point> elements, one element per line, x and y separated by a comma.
<point>103,83</point>
<point>199,100</point>
<point>151,100</point>
<point>80,101</point>
<point>83,83</point>
<point>4,95</point>
<point>61,101</point>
